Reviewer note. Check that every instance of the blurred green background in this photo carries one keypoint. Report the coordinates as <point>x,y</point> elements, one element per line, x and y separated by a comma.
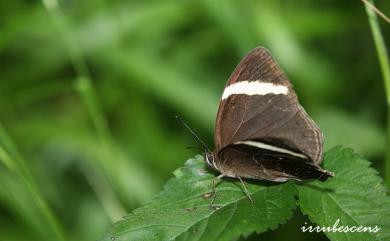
<point>89,89</point>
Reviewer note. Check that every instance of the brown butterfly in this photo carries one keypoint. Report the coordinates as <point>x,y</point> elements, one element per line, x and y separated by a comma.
<point>262,132</point>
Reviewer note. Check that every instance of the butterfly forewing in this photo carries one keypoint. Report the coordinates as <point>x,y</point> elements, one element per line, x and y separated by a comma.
<point>259,103</point>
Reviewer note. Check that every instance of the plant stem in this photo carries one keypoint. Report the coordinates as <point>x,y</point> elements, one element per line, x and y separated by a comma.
<point>87,93</point>
<point>385,68</point>
<point>14,162</point>
<point>376,10</point>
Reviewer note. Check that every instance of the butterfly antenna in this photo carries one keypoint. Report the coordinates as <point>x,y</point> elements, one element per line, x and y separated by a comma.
<point>192,132</point>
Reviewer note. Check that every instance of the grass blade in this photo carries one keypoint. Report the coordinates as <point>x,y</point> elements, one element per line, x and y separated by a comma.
<point>385,68</point>
<point>15,162</point>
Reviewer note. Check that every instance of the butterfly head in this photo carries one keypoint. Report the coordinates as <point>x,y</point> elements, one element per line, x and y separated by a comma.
<point>209,157</point>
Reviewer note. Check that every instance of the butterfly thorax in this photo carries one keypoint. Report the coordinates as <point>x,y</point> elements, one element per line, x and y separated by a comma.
<point>216,163</point>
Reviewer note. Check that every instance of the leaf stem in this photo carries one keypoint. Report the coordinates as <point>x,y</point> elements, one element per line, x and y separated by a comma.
<point>15,163</point>
<point>385,68</point>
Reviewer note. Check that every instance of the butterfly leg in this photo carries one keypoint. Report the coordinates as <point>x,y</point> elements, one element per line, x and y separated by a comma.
<point>245,189</point>
<point>214,187</point>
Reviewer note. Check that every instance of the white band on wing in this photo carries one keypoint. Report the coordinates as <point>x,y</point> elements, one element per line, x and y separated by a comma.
<point>254,88</point>
<point>271,148</point>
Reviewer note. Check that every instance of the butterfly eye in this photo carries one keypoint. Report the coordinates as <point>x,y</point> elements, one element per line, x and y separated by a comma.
<point>210,159</point>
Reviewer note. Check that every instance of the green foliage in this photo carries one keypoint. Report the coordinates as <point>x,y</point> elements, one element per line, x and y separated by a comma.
<point>356,196</point>
<point>183,211</point>
<point>88,91</point>
<point>333,122</point>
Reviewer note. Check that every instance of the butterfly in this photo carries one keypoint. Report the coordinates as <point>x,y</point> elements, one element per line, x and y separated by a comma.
<point>261,131</point>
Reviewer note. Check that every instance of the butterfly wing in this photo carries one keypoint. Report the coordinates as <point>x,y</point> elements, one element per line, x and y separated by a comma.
<point>250,161</point>
<point>259,103</point>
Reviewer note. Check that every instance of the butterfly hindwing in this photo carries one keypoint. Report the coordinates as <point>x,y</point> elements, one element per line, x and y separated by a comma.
<point>257,159</point>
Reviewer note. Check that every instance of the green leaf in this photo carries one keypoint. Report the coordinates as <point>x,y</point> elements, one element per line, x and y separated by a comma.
<point>183,212</point>
<point>356,196</point>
